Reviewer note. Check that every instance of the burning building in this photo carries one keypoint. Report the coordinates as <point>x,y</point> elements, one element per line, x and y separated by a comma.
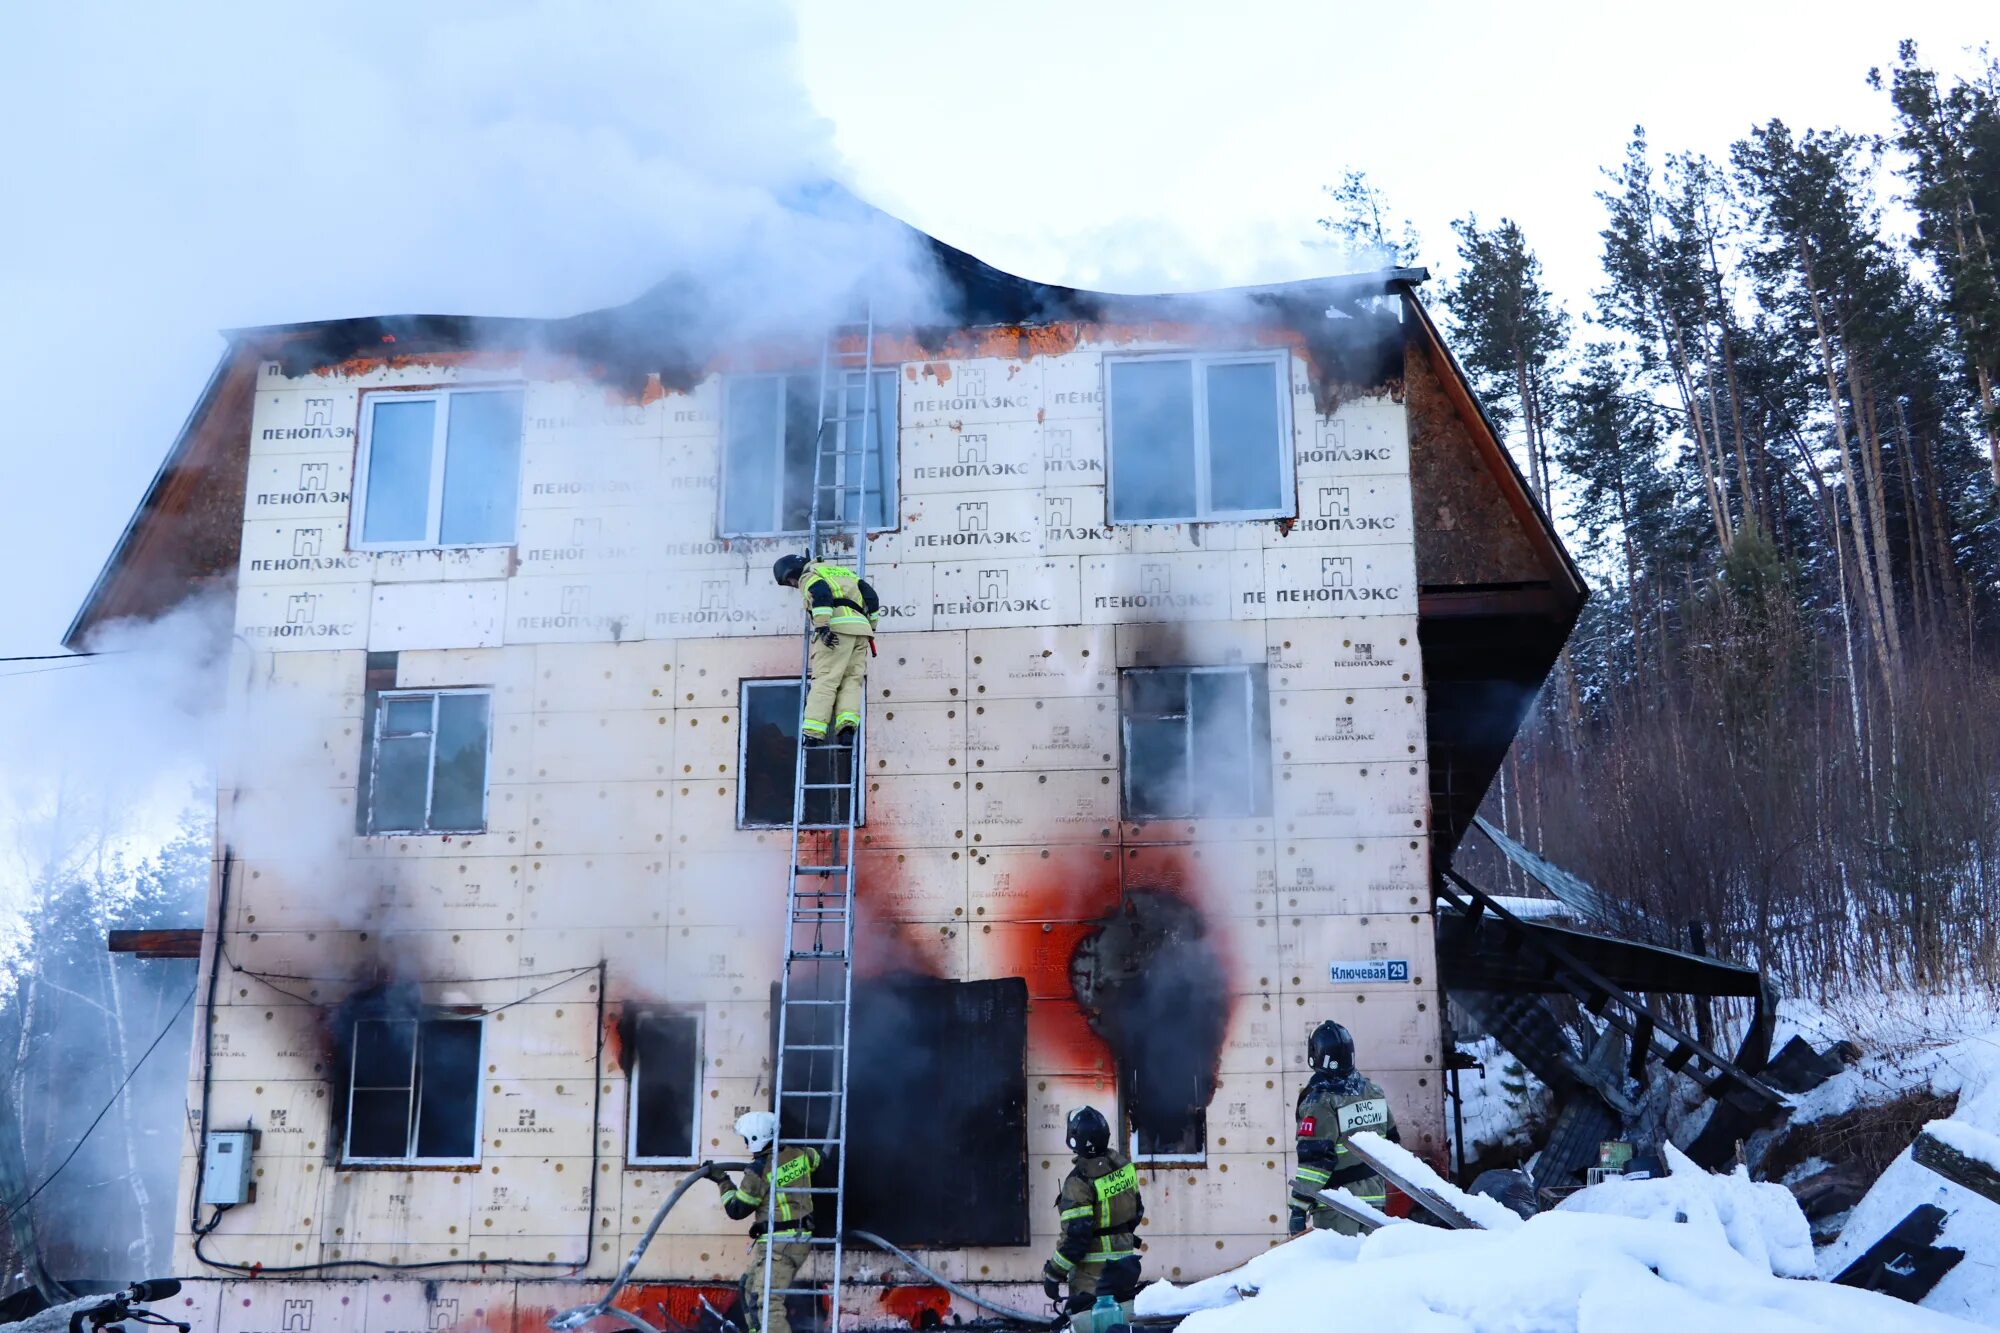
<point>1208,620</point>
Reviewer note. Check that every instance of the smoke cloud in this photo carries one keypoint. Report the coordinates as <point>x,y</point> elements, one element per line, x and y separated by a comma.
<point>198,169</point>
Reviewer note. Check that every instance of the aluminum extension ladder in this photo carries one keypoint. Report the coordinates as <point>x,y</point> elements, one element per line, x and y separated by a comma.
<point>816,985</point>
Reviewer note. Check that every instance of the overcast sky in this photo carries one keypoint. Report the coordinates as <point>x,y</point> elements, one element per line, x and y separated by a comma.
<point>171,172</point>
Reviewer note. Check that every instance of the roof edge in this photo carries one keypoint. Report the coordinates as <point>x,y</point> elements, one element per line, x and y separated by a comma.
<point>1520,494</point>
<point>79,623</point>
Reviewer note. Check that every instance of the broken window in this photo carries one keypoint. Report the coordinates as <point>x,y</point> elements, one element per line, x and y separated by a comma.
<point>428,773</point>
<point>1197,743</point>
<point>1199,438</point>
<point>767,759</point>
<point>666,1087</point>
<point>937,1130</point>
<point>413,1093</point>
<point>1176,1135</point>
<point>440,468</point>
<point>770,430</point>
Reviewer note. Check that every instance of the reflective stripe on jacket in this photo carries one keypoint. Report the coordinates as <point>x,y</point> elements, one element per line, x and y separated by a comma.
<point>794,1211</point>
<point>1330,1108</point>
<point>1100,1208</point>
<point>839,599</point>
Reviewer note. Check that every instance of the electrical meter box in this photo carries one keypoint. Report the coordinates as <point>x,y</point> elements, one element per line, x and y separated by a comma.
<point>225,1167</point>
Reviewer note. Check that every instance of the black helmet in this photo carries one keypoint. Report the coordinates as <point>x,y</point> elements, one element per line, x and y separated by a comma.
<point>1088,1132</point>
<point>788,568</point>
<point>1331,1048</point>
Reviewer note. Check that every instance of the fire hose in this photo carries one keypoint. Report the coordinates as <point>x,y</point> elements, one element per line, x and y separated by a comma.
<point>580,1315</point>
<point>583,1314</point>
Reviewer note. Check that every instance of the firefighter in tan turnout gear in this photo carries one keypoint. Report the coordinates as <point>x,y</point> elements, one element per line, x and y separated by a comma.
<point>1336,1102</point>
<point>844,611</point>
<point>790,1236</point>
<point>1099,1211</point>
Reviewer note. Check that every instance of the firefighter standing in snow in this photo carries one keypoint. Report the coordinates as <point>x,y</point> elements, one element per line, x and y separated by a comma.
<point>1100,1211</point>
<point>1336,1102</point>
<point>844,610</point>
<point>790,1234</point>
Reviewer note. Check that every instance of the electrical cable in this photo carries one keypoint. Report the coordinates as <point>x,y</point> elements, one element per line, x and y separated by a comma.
<point>42,671</point>
<point>201,1233</point>
<point>116,1093</point>
<point>48,657</point>
<point>271,979</point>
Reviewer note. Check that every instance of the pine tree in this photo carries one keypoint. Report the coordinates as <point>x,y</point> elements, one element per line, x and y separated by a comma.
<point>1952,139</point>
<point>1511,334</point>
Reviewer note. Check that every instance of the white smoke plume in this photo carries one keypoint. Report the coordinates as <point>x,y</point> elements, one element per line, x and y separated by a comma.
<point>200,168</point>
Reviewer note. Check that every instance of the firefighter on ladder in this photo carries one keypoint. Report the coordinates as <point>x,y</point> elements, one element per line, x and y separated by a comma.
<point>790,1238</point>
<point>844,611</point>
<point>1100,1211</point>
<point>1337,1101</point>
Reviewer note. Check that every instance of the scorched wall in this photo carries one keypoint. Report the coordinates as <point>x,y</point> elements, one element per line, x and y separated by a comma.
<point>613,634</point>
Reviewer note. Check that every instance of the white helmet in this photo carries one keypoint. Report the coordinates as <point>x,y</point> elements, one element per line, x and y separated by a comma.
<point>757,1128</point>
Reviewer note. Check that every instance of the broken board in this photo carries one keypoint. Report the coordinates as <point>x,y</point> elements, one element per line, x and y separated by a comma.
<point>1423,1193</point>
<point>1972,1173</point>
<point>1364,1215</point>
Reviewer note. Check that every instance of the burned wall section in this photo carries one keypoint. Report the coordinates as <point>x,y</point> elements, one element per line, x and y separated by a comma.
<point>613,639</point>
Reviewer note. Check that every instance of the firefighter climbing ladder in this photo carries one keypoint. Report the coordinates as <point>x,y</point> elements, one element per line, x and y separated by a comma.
<point>816,985</point>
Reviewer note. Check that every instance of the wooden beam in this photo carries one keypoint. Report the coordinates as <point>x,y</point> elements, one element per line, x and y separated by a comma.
<point>1526,600</point>
<point>172,942</point>
<point>1978,1176</point>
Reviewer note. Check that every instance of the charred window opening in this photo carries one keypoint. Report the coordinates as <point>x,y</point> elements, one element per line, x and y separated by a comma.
<point>1152,983</point>
<point>937,1116</point>
<point>1199,438</point>
<point>770,430</point>
<point>428,770</point>
<point>413,1088</point>
<point>1197,743</point>
<point>439,468</point>
<point>665,1078</point>
<point>766,762</point>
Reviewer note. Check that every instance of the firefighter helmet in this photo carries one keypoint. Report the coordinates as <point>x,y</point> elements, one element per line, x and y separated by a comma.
<point>1088,1132</point>
<point>788,568</point>
<point>1331,1048</point>
<point>757,1128</point>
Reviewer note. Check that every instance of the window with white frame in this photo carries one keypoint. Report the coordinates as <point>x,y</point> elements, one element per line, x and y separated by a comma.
<point>438,468</point>
<point>1197,742</point>
<point>413,1090</point>
<point>770,431</point>
<point>427,772</point>
<point>767,760</point>
<point>1198,438</point>
<point>666,1088</point>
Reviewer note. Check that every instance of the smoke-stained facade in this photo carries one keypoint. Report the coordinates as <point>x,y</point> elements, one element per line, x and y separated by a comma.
<point>1150,741</point>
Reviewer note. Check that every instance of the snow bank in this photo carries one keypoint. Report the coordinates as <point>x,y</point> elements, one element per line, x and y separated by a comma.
<point>1560,1272</point>
<point>1295,1261</point>
<point>1760,1221</point>
<point>1947,1044</point>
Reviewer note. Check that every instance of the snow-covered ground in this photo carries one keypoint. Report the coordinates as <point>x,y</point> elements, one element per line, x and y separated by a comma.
<point>1690,1253</point>
<point>1505,1105</point>
<point>1948,1044</point>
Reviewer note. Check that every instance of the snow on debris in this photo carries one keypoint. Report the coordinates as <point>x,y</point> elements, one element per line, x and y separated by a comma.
<point>1948,1043</point>
<point>1570,1271</point>
<point>1759,1220</point>
<point>1488,1213</point>
<point>1976,1143</point>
